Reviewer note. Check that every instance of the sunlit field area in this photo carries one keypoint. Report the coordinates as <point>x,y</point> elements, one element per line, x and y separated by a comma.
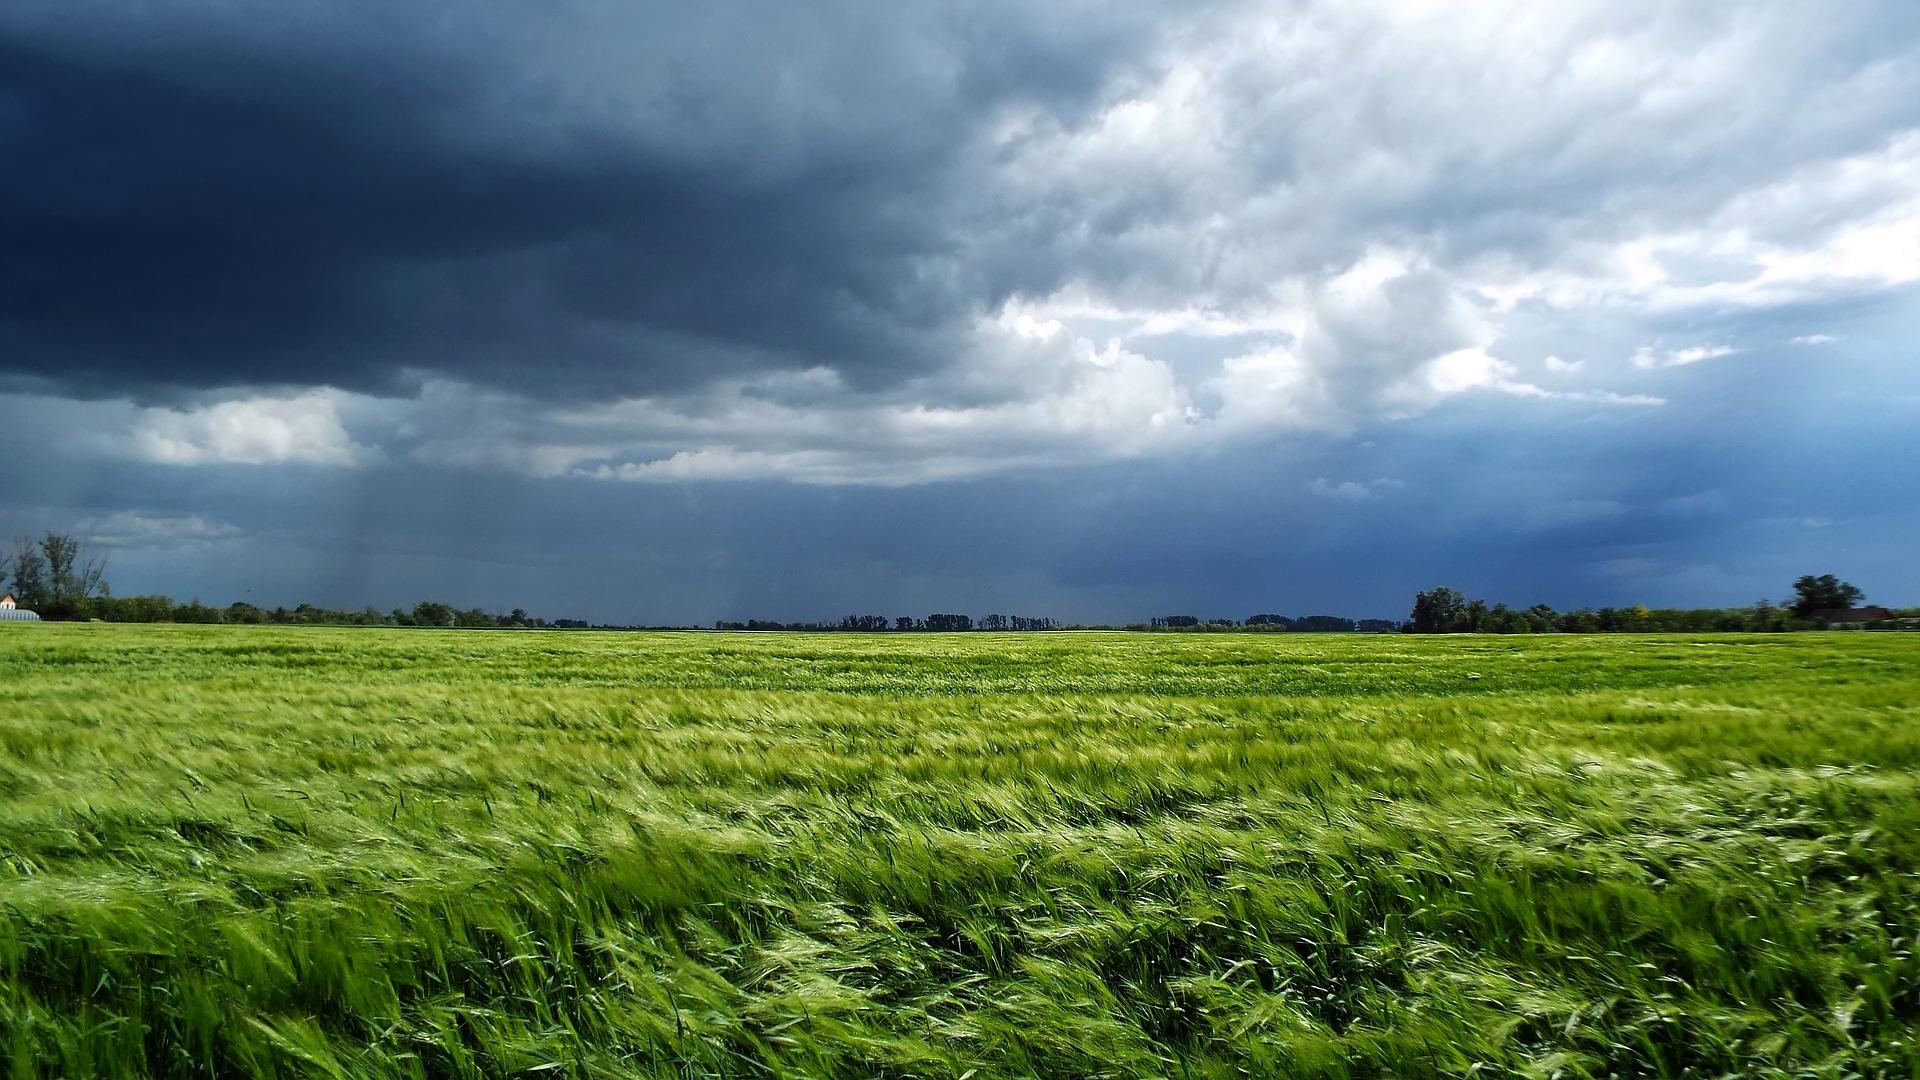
<point>372,853</point>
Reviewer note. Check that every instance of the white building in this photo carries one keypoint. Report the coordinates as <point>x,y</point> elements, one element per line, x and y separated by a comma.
<point>11,611</point>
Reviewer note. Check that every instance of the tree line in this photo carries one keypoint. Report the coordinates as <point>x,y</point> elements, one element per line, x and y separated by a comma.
<point>428,613</point>
<point>1304,624</point>
<point>1447,611</point>
<point>935,623</point>
<point>950,623</point>
<point>57,576</point>
<point>62,578</point>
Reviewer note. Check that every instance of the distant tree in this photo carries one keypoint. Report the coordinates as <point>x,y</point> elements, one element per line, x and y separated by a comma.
<point>1768,617</point>
<point>904,622</point>
<point>242,612</point>
<point>1732,619</point>
<point>74,575</point>
<point>1583,621</point>
<point>1322,624</point>
<point>1823,593</point>
<point>433,613</point>
<point>1438,611</point>
<point>1474,619</point>
<point>1540,619</point>
<point>29,569</point>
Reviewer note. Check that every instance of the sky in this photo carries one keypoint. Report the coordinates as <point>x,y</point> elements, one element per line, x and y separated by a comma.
<point>668,313</point>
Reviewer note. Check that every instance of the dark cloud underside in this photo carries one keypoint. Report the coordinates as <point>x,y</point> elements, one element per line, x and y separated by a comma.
<point>247,204</point>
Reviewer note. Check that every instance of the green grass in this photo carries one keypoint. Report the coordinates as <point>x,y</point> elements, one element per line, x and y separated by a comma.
<point>284,852</point>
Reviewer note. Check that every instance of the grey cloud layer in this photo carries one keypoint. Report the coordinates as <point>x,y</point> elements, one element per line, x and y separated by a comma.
<point>584,200</point>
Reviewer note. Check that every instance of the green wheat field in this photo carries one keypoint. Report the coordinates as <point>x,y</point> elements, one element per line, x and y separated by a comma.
<point>395,853</point>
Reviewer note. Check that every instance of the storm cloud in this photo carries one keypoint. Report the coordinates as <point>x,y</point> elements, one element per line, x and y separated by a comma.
<point>573,201</point>
<point>847,255</point>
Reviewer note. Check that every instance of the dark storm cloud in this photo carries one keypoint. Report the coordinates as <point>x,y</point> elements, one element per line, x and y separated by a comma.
<point>569,201</point>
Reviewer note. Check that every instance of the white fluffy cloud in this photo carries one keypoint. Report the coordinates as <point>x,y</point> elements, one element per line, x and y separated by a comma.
<point>1649,357</point>
<point>1035,394</point>
<point>305,428</point>
<point>135,529</point>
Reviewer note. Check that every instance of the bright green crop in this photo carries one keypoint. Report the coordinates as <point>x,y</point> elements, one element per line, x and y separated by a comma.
<point>370,853</point>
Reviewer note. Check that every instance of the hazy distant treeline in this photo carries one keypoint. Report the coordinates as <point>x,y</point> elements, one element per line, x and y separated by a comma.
<point>937,623</point>
<point>947,623</point>
<point>1304,624</point>
<point>62,578</point>
<point>143,609</point>
<point>1816,601</point>
<point>1470,617</point>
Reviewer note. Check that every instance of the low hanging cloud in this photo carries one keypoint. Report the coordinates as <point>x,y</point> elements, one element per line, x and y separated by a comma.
<point>304,429</point>
<point>147,531</point>
<point>1649,357</point>
<point>1039,397</point>
<point>1357,491</point>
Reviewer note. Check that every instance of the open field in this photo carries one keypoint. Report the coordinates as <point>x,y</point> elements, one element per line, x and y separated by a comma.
<point>413,853</point>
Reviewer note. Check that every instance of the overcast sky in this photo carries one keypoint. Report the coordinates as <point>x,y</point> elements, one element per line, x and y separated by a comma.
<point>668,313</point>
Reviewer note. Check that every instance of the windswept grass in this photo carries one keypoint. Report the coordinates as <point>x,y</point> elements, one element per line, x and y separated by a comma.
<point>416,854</point>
